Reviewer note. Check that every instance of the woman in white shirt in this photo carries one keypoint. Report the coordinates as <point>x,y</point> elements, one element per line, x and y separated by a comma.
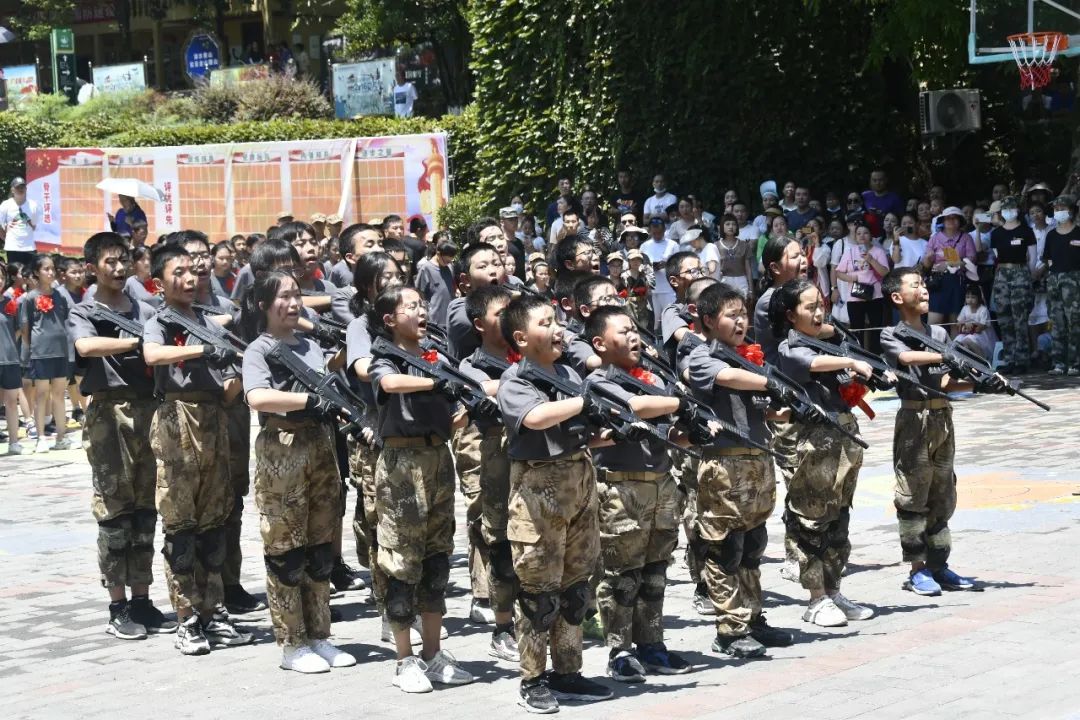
<point>905,247</point>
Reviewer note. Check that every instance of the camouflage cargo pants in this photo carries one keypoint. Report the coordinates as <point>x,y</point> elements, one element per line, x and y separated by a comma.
<point>694,555</point>
<point>818,504</point>
<point>297,491</point>
<point>494,500</point>
<point>239,420</point>
<point>194,496</point>
<point>554,535</point>
<point>467,461</point>
<point>1063,297</point>
<point>362,461</point>
<point>414,501</point>
<point>116,436</point>
<point>736,496</point>
<point>923,448</point>
<point>1014,297</point>
<point>639,529</point>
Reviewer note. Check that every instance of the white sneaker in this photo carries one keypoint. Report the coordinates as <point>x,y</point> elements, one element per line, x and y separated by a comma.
<point>42,446</point>
<point>410,675</point>
<point>444,669</point>
<point>824,612</point>
<point>418,629</point>
<point>336,657</point>
<point>66,443</point>
<point>15,448</point>
<point>388,632</point>
<point>302,659</point>
<point>790,571</point>
<point>481,614</point>
<point>852,611</point>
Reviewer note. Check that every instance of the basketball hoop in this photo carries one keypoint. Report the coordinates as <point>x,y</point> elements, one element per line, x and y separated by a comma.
<point>1034,53</point>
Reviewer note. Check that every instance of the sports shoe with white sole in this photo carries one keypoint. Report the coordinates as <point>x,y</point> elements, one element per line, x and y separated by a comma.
<point>388,633</point>
<point>15,448</point>
<point>410,675</point>
<point>222,633</point>
<point>824,613</point>
<point>121,625</point>
<point>504,646</point>
<point>851,610</point>
<point>444,669</point>
<point>536,697</point>
<point>42,446</point>
<point>624,667</point>
<point>64,443</point>
<point>333,655</point>
<point>144,613</point>
<point>190,639</point>
<point>302,659</point>
<point>480,612</point>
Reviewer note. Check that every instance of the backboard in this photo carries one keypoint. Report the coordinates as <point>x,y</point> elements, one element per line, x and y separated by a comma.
<point>992,21</point>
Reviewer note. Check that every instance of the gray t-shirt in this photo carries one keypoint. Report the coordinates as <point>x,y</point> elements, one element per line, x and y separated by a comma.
<point>624,455</point>
<point>340,304</point>
<point>733,406</point>
<point>189,375</point>
<point>357,347</point>
<point>517,398</point>
<point>460,334</point>
<point>929,375</point>
<point>244,279</point>
<point>822,387</point>
<point>217,286</point>
<point>259,372</point>
<point>114,372</point>
<point>467,368</point>
<point>436,286</point>
<point>48,331</point>
<point>763,334</point>
<point>576,352</point>
<point>414,414</point>
<point>341,274</point>
<point>137,290</point>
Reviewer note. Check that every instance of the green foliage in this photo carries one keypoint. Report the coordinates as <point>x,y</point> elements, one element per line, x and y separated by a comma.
<point>216,103</point>
<point>36,18</point>
<point>271,98</point>
<point>18,132</point>
<point>45,107</point>
<point>462,210</point>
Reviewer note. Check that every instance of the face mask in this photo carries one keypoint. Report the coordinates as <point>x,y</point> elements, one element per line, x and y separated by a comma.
<point>1009,215</point>
<point>659,189</point>
<point>1062,216</point>
<point>538,243</point>
<point>833,208</point>
<point>518,208</point>
<point>984,236</point>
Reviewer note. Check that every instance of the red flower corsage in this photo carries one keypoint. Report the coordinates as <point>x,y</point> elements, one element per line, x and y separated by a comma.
<point>44,303</point>
<point>431,356</point>
<point>624,293</point>
<point>180,340</point>
<point>318,274</point>
<point>18,293</point>
<point>852,394</point>
<point>513,356</point>
<point>690,327</point>
<point>148,284</point>
<point>641,291</point>
<point>10,307</point>
<point>643,375</point>
<point>752,352</point>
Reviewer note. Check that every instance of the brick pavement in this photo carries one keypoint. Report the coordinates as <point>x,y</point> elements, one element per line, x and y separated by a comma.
<point>1006,652</point>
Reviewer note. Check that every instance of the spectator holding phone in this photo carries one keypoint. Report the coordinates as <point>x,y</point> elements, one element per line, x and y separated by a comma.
<point>20,217</point>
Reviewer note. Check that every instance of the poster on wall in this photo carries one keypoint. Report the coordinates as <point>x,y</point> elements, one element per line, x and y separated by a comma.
<point>364,88</point>
<point>118,78</point>
<point>232,188</point>
<point>239,74</point>
<point>20,82</point>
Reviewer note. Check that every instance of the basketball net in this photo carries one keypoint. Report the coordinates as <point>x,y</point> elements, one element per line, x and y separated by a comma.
<point>1034,53</point>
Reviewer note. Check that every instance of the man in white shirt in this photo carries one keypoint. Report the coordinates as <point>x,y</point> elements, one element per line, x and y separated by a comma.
<point>747,229</point>
<point>660,200</point>
<point>658,249</point>
<point>20,217</point>
<point>404,95</point>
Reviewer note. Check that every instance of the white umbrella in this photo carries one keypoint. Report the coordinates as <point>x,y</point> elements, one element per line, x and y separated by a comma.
<point>130,187</point>
<point>6,35</point>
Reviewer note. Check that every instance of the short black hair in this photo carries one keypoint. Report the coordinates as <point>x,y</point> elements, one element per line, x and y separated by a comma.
<point>715,298</point>
<point>391,218</point>
<point>477,302</point>
<point>392,245</point>
<point>98,243</point>
<point>566,281</point>
<point>584,287</point>
<point>516,316</point>
<point>193,236</point>
<point>785,298</point>
<point>465,259</point>
<point>290,231</point>
<point>697,287</point>
<point>162,254</point>
<point>566,250</point>
<point>597,321</point>
<point>273,255</point>
<point>674,263</point>
<point>347,238</point>
<point>472,235</point>
<point>894,279</point>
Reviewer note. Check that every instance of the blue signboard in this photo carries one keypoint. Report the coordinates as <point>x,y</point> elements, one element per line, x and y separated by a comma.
<point>201,55</point>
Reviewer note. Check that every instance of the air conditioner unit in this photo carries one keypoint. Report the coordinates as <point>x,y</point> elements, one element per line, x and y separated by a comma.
<point>947,111</point>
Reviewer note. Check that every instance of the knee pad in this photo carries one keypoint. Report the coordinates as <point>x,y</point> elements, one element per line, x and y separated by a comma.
<point>400,606</point>
<point>728,552</point>
<point>179,551</point>
<point>540,608</point>
<point>625,587</point>
<point>320,561</point>
<point>754,542</point>
<point>435,575</point>
<point>502,562</point>
<point>476,533</point>
<point>653,581</point>
<point>838,529</point>
<point>810,543</point>
<point>211,548</point>
<point>288,567</point>
<point>574,603</point>
<point>237,511</point>
<point>116,534</point>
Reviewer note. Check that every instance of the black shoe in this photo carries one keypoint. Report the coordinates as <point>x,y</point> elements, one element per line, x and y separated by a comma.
<point>78,415</point>
<point>222,633</point>
<point>768,635</point>
<point>50,427</point>
<point>121,625</point>
<point>335,615</point>
<point>572,686</point>
<point>239,601</point>
<point>144,613</point>
<point>739,646</point>
<point>343,577</point>
<point>536,697</point>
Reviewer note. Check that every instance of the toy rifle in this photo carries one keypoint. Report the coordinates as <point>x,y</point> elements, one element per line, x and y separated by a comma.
<point>488,363</point>
<point>213,335</point>
<point>965,363</point>
<point>104,313</point>
<point>706,413</point>
<point>329,386</point>
<point>613,412</point>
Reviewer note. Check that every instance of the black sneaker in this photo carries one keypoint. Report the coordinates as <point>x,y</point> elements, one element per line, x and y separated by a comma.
<point>240,602</point>
<point>222,633</point>
<point>536,697</point>
<point>768,635</point>
<point>50,427</point>
<point>343,577</point>
<point>78,415</point>
<point>335,615</point>
<point>739,646</point>
<point>144,613</point>
<point>121,625</point>
<point>572,686</point>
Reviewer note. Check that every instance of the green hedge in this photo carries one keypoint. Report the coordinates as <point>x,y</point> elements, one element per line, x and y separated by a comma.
<point>18,132</point>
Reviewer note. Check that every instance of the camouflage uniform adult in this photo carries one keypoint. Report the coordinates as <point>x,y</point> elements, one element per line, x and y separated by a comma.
<point>1014,296</point>
<point>1063,295</point>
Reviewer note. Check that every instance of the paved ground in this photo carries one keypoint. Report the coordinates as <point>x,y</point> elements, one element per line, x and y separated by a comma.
<point>1009,651</point>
